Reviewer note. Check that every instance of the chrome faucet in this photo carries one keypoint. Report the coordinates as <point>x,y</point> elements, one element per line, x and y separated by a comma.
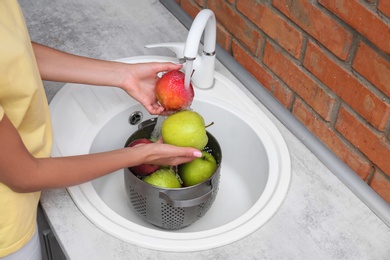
<point>204,64</point>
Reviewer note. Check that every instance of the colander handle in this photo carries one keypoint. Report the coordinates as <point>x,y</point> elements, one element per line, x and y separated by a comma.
<point>165,194</point>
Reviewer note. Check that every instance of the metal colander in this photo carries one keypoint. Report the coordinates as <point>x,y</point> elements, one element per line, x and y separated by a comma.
<point>172,208</point>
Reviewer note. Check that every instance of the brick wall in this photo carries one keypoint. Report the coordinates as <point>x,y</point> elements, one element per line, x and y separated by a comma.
<point>327,61</point>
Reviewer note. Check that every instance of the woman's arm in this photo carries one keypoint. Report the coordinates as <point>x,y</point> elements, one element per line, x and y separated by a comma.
<point>20,171</point>
<point>138,80</point>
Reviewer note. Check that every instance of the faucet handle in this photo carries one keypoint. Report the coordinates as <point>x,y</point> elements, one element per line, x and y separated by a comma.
<point>176,47</point>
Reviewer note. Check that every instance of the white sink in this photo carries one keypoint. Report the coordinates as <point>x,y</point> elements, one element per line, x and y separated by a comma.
<point>255,170</point>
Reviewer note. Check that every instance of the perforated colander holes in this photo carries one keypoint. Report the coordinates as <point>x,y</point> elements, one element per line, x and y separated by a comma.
<point>205,206</point>
<point>202,208</point>
<point>138,202</point>
<point>172,218</point>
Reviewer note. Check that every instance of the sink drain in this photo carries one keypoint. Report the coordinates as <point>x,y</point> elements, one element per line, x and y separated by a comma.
<point>135,118</point>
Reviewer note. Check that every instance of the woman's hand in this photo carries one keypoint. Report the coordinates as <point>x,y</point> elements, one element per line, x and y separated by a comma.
<point>139,81</point>
<point>22,172</point>
<point>161,154</point>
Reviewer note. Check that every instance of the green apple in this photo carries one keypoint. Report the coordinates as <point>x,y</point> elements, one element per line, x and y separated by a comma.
<point>185,128</point>
<point>164,177</point>
<point>198,170</point>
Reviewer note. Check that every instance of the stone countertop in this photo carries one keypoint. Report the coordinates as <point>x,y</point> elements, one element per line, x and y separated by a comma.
<point>320,217</point>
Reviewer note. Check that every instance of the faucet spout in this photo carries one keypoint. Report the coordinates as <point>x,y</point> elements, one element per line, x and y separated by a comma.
<point>204,21</point>
<point>203,75</point>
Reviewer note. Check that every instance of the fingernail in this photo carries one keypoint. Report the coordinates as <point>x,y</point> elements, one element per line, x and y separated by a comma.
<point>198,154</point>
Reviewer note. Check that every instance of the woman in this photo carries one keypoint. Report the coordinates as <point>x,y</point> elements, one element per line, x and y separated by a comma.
<point>25,128</point>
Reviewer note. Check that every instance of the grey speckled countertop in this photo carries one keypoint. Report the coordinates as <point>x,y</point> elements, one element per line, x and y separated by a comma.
<point>320,217</point>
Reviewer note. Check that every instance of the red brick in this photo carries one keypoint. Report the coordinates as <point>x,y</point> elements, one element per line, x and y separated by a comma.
<point>362,20</point>
<point>191,8</point>
<point>273,25</point>
<point>237,25</point>
<point>368,141</point>
<point>327,135</point>
<point>319,25</point>
<point>201,3</point>
<point>373,67</point>
<point>281,92</point>
<point>384,7</point>
<point>346,86</point>
<point>381,184</point>
<point>300,82</point>
<point>223,38</point>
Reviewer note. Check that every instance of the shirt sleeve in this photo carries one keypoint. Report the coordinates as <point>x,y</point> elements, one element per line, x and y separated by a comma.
<point>1,113</point>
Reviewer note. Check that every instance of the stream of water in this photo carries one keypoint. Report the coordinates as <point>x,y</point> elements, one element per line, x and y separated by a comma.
<point>188,74</point>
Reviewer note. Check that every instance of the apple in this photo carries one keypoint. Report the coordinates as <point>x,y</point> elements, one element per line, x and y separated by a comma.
<point>142,169</point>
<point>171,92</point>
<point>164,177</point>
<point>198,170</point>
<point>185,128</point>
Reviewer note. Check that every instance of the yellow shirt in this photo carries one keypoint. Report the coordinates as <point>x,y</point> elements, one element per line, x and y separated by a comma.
<point>23,100</point>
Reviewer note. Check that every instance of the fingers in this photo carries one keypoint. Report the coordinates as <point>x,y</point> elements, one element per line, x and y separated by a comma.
<point>184,151</point>
<point>197,153</point>
<point>174,155</point>
<point>155,109</point>
<point>190,155</point>
<point>159,141</point>
<point>166,66</point>
<point>146,80</point>
<point>173,66</point>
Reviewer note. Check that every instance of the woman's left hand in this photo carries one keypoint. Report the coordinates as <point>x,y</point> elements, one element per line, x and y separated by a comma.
<point>138,80</point>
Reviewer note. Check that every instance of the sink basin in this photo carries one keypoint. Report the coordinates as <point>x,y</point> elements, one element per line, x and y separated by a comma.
<point>255,172</point>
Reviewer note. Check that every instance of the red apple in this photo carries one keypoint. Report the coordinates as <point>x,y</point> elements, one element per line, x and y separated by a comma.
<point>171,92</point>
<point>143,169</point>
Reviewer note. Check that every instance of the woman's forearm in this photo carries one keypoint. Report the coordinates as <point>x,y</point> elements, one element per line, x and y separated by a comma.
<point>55,65</point>
<point>20,171</point>
<point>137,80</point>
<point>68,171</point>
